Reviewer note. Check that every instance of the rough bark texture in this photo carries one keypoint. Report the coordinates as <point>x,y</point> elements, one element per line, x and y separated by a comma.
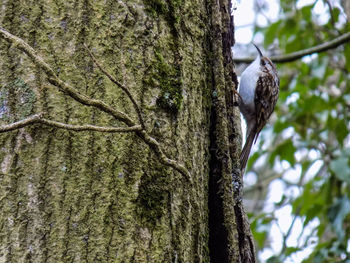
<point>228,224</point>
<point>93,197</point>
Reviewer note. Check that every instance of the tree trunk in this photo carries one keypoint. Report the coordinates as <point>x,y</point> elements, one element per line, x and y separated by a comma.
<point>169,191</point>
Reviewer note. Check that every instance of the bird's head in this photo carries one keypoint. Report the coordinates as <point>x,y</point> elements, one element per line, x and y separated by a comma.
<point>264,61</point>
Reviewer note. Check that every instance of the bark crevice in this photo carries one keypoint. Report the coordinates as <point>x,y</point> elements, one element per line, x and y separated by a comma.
<point>229,232</point>
<point>218,234</point>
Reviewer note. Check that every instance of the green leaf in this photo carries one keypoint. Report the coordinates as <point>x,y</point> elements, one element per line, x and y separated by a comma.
<point>291,250</point>
<point>261,227</point>
<point>341,167</point>
<point>280,125</point>
<point>335,14</point>
<point>341,131</point>
<point>260,238</point>
<point>272,33</point>
<point>313,104</point>
<point>312,213</point>
<point>337,213</point>
<point>286,152</point>
<point>306,11</point>
<point>347,56</point>
<point>274,259</point>
<point>252,159</point>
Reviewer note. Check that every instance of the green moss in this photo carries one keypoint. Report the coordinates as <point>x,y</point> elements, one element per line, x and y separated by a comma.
<point>156,7</point>
<point>169,10</point>
<point>168,78</point>
<point>153,195</point>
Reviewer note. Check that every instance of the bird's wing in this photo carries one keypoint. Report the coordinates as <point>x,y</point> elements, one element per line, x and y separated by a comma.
<point>266,95</point>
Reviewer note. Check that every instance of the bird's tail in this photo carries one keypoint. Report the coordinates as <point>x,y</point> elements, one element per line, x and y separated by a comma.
<point>246,149</point>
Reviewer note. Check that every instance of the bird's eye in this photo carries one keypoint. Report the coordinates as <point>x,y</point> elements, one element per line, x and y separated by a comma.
<point>263,63</point>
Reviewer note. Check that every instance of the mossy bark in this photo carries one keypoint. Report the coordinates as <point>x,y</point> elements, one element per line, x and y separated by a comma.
<point>92,197</point>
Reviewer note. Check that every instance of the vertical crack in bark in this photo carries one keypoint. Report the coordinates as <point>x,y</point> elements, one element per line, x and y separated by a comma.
<point>218,232</point>
<point>218,236</point>
<point>245,239</point>
<point>246,243</point>
<point>230,239</point>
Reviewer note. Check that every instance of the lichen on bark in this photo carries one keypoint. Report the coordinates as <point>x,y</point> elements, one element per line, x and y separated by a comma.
<point>95,197</point>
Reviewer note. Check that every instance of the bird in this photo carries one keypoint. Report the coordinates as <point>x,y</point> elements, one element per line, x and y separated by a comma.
<point>258,94</point>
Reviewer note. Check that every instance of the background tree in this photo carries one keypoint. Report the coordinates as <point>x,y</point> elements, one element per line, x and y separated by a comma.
<point>120,139</point>
<point>304,157</point>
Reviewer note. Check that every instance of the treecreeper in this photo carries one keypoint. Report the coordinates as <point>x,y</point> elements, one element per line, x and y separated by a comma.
<point>258,94</point>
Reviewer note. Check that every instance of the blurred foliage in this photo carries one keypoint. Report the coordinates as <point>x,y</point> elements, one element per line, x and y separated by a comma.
<point>309,150</point>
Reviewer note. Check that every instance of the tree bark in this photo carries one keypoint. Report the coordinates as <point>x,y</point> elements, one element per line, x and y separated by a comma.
<point>88,196</point>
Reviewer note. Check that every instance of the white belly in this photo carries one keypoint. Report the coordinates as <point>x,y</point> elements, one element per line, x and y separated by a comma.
<point>247,84</point>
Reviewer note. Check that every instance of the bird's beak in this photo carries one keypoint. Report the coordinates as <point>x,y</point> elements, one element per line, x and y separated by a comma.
<point>258,50</point>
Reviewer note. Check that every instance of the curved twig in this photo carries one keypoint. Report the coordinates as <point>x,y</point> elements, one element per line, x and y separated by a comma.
<point>61,85</point>
<point>37,118</point>
<point>121,86</point>
<point>301,53</point>
<point>20,124</point>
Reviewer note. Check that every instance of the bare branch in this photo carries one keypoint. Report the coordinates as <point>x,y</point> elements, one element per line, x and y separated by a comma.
<point>60,84</point>
<point>20,124</point>
<point>154,145</point>
<point>332,16</point>
<point>121,86</point>
<point>37,118</point>
<point>85,100</point>
<point>89,127</point>
<point>299,54</point>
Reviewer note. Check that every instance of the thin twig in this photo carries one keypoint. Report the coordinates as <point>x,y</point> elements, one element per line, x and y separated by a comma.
<point>37,118</point>
<point>285,236</point>
<point>154,145</point>
<point>301,53</point>
<point>332,15</point>
<point>20,124</point>
<point>89,127</point>
<point>60,84</point>
<point>121,86</point>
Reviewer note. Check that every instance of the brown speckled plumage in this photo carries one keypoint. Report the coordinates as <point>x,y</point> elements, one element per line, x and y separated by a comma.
<point>266,92</point>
